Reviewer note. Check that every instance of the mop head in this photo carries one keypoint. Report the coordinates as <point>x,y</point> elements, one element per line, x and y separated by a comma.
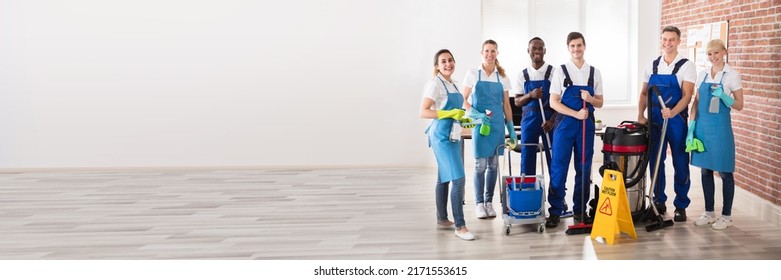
<point>581,228</point>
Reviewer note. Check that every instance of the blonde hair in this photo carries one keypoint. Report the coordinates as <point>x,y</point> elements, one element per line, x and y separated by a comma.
<point>716,44</point>
<point>498,67</point>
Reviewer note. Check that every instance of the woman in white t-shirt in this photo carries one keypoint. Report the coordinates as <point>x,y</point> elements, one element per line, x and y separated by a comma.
<point>442,102</point>
<point>487,86</point>
<point>710,138</point>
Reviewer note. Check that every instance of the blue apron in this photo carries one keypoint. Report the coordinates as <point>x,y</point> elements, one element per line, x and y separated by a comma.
<point>531,123</point>
<point>715,132</point>
<point>568,137</point>
<point>677,127</point>
<point>448,153</point>
<point>489,96</point>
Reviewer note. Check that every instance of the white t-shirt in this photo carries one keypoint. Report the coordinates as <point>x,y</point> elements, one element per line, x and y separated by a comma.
<point>579,78</point>
<point>434,90</point>
<point>534,75</point>
<point>471,78</point>
<point>687,72</point>
<point>731,81</point>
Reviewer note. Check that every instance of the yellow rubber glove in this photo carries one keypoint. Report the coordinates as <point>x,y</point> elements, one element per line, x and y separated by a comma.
<point>467,123</point>
<point>455,114</point>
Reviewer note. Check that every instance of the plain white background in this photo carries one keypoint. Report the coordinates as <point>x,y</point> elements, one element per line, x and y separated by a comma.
<point>244,83</point>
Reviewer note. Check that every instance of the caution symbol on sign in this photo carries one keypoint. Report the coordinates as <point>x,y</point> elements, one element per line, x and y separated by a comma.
<point>606,208</point>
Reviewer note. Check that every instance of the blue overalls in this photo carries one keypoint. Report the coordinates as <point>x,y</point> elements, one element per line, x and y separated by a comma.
<point>448,153</point>
<point>488,96</point>
<point>675,136</point>
<point>715,132</point>
<point>531,123</point>
<point>568,140</point>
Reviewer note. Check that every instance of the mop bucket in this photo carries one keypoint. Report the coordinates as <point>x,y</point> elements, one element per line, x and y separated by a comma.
<point>524,195</point>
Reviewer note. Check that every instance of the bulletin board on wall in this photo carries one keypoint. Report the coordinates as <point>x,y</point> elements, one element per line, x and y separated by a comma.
<point>697,40</point>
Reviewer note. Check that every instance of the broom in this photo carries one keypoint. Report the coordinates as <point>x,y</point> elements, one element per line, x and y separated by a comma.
<point>582,227</point>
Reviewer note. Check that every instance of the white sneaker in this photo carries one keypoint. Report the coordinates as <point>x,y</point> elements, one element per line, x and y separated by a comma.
<point>722,223</point>
<point>468,236</point>
<point>705,218</point>
<point>489,209</point>
<point>480,211</point>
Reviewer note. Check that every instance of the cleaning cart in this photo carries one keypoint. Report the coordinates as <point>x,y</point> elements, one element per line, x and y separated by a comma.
<point>523,197</point>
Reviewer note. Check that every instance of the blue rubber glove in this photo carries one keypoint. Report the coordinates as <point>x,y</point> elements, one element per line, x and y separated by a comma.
<point>690,133</point>
<point>482,117</point>
<point>513,136</point>
<point>719,92</point>
<point>455,114</point>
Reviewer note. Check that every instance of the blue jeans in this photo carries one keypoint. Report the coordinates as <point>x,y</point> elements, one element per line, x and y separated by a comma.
<point>456,200</point>
<point>485,193</point>
<point>728,190</point>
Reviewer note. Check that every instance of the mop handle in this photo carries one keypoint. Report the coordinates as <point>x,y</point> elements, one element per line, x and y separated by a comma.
<point>583,146</point>
<point>544,119</point>
<point>583,185</point>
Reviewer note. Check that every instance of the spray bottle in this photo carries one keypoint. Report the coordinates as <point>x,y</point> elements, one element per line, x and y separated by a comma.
<point>485,128</point>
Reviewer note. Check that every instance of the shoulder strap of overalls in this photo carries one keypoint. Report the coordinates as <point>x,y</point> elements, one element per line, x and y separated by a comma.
<point>526,74</point>
<point>547,73</point>
<point>656,64</point>
<point>678,65</point>
<point>591,77</point>
<point>567,80</point>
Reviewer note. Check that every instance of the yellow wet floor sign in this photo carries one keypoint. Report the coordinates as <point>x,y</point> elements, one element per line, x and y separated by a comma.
<point>613,216</point>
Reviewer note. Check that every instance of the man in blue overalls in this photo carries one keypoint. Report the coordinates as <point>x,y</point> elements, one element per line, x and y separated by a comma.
<point>532,94</point>
<point>575,91</point>
<point>675,76</point>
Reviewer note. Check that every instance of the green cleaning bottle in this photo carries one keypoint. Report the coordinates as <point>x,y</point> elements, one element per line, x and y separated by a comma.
<point>485,128</point>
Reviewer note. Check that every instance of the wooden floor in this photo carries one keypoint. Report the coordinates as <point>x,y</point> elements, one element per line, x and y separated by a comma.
<point>335,214</point>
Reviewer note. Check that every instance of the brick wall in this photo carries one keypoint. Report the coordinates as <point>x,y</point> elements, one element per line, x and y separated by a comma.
<point>755,51</point>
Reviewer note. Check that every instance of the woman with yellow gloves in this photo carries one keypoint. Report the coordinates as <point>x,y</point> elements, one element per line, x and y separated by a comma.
<point>442,101</point>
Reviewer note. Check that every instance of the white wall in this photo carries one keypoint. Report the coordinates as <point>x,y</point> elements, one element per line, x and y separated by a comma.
<point>222,83</point>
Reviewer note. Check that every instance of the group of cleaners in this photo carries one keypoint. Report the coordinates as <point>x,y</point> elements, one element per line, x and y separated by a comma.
<point>555,101</point>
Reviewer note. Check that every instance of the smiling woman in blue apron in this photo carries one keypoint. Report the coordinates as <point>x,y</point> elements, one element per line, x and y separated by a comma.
<point>442,101</point>
<point>575,91</point>
<point>488,88</point>
<point>719,90</point>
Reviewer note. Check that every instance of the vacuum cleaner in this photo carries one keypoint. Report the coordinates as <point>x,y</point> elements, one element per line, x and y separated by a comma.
<point>659,221</point>
<point>625,149</point>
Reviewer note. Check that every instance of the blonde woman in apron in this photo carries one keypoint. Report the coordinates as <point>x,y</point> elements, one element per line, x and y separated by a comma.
<point>488,87</point>
<point>710,138</point>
